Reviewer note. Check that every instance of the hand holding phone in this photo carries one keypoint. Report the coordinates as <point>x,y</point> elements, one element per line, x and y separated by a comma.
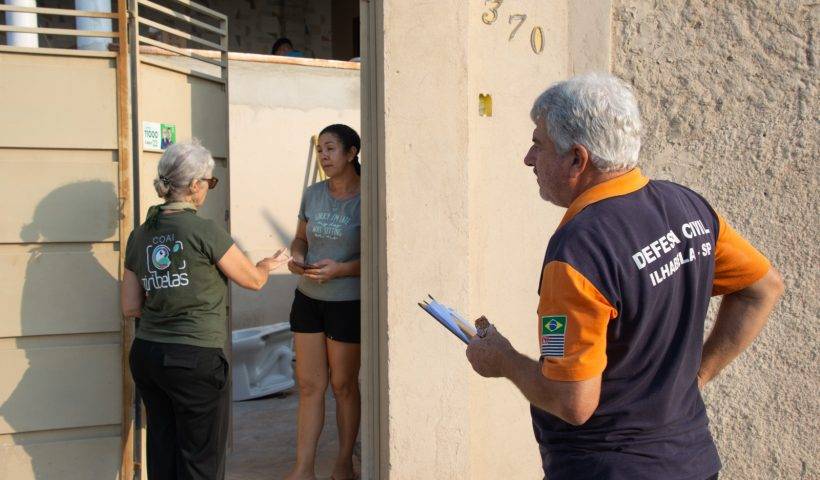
<point>304,266</point>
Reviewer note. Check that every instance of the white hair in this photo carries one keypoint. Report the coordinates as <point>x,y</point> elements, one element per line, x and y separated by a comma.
<point>597,111</point>
<point>181,164</point>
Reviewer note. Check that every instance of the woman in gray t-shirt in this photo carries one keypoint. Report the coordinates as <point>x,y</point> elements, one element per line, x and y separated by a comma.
<point>325,317</point>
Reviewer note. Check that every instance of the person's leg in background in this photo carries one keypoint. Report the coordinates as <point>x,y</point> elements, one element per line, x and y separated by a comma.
<point>145,360</point>
<point>311,380</point>
<point>345,359</point>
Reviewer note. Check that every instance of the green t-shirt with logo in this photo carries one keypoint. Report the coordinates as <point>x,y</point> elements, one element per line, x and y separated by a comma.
<point>185,292</point>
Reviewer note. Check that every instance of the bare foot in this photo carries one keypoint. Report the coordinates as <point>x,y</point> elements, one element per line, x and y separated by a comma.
<point>343,471</point>
<point>297,475</point>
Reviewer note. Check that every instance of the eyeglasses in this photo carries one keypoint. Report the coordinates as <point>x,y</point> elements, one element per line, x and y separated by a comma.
<point>211,182</point>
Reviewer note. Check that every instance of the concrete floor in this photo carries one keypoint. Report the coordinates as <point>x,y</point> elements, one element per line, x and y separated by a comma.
<point>264,438</point>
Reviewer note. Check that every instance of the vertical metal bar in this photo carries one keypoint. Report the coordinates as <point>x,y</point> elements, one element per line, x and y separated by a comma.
<point>126,223</point>
<point>374,403</point>
<point>134,46</point>
<point>131,27</point>
<point>223,41</point>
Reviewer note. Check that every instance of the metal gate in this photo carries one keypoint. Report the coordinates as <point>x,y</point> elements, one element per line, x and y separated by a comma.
<point>77,174</point>
<point>180,93</point>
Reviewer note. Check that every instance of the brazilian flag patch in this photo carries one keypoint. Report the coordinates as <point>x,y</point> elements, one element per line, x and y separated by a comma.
<point>553,331</point>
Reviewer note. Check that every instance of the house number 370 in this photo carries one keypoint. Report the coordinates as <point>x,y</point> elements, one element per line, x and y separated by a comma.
<point>490,16</point>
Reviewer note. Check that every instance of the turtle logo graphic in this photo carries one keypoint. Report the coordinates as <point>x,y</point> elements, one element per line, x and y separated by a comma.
<point>160,257</point>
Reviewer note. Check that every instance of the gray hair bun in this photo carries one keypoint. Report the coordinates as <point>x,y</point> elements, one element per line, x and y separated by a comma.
<point>181,164</point>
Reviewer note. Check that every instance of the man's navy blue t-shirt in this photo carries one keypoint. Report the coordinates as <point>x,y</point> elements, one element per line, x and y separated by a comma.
<point>624,292</point>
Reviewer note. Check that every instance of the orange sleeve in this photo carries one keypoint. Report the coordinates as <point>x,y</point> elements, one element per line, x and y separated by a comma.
<point>572,324</point>
<point>737,263</point>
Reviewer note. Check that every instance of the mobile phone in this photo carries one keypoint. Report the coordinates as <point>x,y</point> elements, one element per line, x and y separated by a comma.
<point>304,266</point>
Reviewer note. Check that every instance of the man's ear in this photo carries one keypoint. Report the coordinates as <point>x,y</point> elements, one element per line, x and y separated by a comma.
<point>194,186</point>
<point>580,160</point>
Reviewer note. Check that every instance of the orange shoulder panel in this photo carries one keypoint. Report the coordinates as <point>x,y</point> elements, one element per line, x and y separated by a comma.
<point>737,263</point>
<point>567,293</point>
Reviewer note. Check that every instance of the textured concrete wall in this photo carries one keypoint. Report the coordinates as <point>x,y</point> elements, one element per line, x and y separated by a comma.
<point>464,222</point>
<point>728,92</point>
<point>510,224</point>
<point>255,24</point>
<point>425,140</point>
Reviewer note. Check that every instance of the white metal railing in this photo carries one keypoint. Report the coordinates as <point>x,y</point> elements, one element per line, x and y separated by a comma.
<point>13,9</point>
<point>214,24</point>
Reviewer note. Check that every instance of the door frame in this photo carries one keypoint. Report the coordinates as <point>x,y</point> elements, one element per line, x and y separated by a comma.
<point>373,275</point>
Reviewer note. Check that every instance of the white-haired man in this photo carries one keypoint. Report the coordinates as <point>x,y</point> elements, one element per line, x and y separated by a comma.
<point>624,291</point>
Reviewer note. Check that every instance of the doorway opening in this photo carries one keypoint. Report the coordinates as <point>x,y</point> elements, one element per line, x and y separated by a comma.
<point>267,117</point>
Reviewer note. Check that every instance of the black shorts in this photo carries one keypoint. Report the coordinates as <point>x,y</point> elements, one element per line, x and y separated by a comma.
<point>340,321</point>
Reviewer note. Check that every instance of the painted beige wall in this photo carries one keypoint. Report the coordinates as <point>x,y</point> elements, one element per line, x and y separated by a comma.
<point>464,222</point>
<point>60,341</point>
<point>509,224</point>
<point>274,111</point>
<point>729,95</point>
<point>426,229</point>
<point>199,109</point>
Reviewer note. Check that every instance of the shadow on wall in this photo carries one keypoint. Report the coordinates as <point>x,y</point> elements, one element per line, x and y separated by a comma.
<point>274,300</point>
<point>277,227</point>
<point>63,385</point>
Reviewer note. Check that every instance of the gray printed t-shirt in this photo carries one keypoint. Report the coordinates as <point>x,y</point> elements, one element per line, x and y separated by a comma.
<point>334,232</point>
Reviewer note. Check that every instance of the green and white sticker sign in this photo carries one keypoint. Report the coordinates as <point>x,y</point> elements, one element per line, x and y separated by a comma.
<point>158,136</point>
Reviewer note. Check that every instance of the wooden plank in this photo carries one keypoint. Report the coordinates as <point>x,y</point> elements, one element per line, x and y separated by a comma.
<point>196,106</point>
<point>57,196</point>
<point>182,16</point>
<point>58,31</point>
<point>180,33</point>
<point>86,379</point>
<point>307,62</point>
<point>58,51</point>
<point>202,9</point>
<point>126,225</point>
<point>180,69</point>
<point>57,11</point>
<point>180,51</point>
<point>73,459</point>
<point>228,343</point>
<point>40,286</point>
<point>43,107</point>
<point>263,58</point>
<point>225,54</point>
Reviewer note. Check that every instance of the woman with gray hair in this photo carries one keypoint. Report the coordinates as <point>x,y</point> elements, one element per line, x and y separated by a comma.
<point>176,269</point>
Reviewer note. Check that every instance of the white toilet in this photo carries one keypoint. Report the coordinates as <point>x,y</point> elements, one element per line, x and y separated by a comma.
<point>262,359</point>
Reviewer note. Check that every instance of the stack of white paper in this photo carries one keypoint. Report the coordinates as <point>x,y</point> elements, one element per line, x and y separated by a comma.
<point>450,318</point>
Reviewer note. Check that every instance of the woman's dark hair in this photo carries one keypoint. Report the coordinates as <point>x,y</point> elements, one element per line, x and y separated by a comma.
<point>278,43</point>
<point>348,138</point>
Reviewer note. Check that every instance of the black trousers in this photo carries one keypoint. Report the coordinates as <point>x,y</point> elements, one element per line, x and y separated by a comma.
<point>185,391</point>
